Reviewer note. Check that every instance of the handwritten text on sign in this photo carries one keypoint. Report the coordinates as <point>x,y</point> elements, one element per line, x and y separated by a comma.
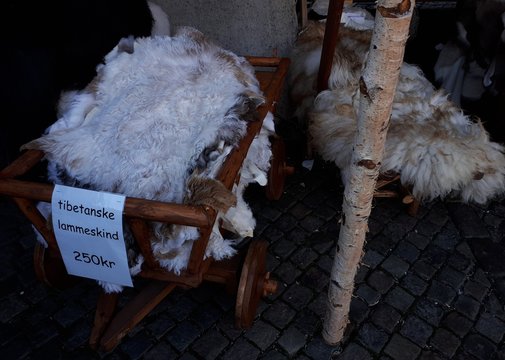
<point>88,226</point>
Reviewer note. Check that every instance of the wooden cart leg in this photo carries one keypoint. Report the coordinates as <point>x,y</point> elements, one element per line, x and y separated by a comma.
<point>278,169</point>
<point>134,312</point>
<point>50,268</point>
<point>105,308</point>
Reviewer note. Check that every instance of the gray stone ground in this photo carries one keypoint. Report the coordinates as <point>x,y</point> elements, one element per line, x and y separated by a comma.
<point>430,287</point>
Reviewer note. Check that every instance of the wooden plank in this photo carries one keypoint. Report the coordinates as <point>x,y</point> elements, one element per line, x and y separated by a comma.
<point>134,312</point>
<point>22,164</point>
<point>142,234</point>
<point>105,308</point>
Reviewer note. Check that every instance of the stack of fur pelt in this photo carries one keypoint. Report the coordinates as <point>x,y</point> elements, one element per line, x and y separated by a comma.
<point>433,146</point>
<point>157,123</point>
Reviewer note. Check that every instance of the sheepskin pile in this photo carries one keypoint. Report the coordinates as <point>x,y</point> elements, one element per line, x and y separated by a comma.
<point>157,123</point>
<point>433,146</point>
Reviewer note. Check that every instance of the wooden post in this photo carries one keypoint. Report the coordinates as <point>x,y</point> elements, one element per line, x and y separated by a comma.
<point>330,39</point>
<point>377,88</point>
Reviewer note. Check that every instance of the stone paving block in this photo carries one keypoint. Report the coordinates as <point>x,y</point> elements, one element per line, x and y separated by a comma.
<point>396,230</point>
<point>227,326</point>
<point>181,309</point>
<point>298,235</point>
<point>262,334</point>
<point>314,278</point>
<point>386,317</point>
<point>160,325</point>
<point>319,304</point>
<point>395,266</point>
<point>272,234</point>
<point>427,227</point>
<point>283,248</point>
<point>407,252</point>
<point>369,295</point>
<point>400,348</point>
<point>361,274</point>
<point>429,311</point>
<point>467,306</point>
<point>418,240</point>
<point>374,226</point>
<point>460,263</point>
<point>135,347</point>
<point>210,344</point>
<point>287,272</point>
<point>416,330</point>
<point>160,351</point>
<point>441,293</point>
<point>279,314</point>
<point>434,256</point>
<point>457,323</point>
<point>372,337</point>
<point>447,239</point>
<point>292,340</point>
<point>358,310</point>
<point>10,306</point>
<point>382,244</point>
<point>372,258</point>
<point>274,354</point>
<point>491,327</point>
<point>297,296</point>
<point>414,284</point>
<point>354,351</point>
<point>451,277</point>
<point>69,314</point>
<point>17,348</point>
<point>317,348</point>
<point>325,262</point>
<point>467,221</point>
<point>307,322</point>
<point>182,335</point>
<point>424,270</point>
<point>481,277</point>
<point>311,223</point>
<point>286,223</point>
<point>380,281</point>
<point>242,350</point>
<point>188,356</point>
<point>430,355</point>
<point>78,335</point>
<point>303,257</point>
<point>399,299</point>
<point>300,210</point>
<point>206,316</point>
<point>479,346</point>
<point>322,241</point>
<point>445,342</point>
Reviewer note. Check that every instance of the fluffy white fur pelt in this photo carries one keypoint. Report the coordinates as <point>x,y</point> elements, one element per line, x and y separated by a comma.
<point>431,143</point>
<point>157,123</point>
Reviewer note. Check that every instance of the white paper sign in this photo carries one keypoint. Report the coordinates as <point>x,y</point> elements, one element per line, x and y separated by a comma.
<point>88,226</point>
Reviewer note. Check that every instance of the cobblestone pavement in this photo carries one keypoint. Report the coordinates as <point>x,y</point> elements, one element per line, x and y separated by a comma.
<point>430,287</point>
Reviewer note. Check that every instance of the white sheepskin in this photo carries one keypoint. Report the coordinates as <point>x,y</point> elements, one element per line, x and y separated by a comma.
<point>431,143</point>
<point>160,113</point>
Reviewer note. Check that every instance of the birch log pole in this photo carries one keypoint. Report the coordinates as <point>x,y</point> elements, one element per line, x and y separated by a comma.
<point>377,87</point>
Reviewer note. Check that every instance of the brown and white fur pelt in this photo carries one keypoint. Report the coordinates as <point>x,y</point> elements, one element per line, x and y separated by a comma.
<point>431,143</point>
<point>157,123</point>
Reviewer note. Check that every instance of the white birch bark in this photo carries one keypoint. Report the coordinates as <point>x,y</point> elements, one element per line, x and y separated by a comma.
<point>377,88</point>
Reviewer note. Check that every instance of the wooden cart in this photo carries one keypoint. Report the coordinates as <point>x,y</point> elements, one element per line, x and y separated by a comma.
<point>251,282</point>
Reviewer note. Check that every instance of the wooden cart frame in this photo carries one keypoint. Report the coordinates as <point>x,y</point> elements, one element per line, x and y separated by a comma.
<point>251,283</point>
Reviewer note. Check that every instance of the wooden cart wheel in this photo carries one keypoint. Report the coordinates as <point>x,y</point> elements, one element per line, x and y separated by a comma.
<point>254,283</point>
<point>51,269</point>
<point>278,169</point>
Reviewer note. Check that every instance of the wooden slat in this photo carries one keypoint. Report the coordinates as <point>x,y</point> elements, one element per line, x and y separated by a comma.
<point>329,43</point>
<point>134,311</point>
<point>105,308</point>
<point>142,234</point>
<point>22,164</point>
